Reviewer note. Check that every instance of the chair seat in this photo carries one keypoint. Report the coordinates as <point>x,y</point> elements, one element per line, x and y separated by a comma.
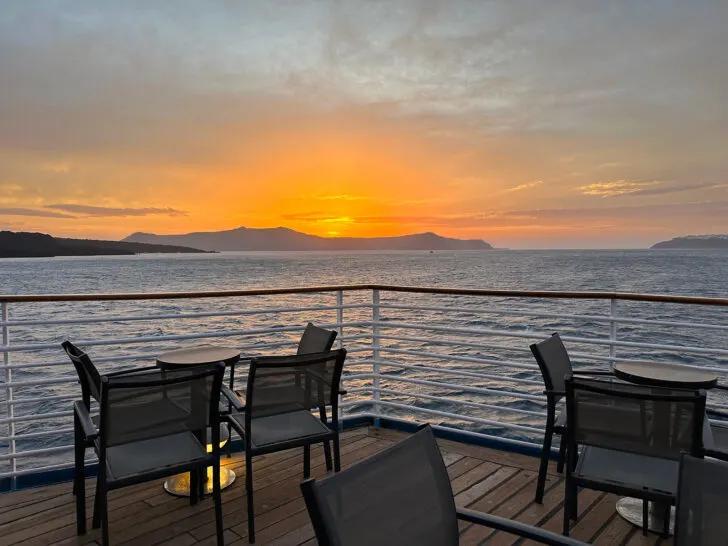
<point>127,460</point>
<point>627,470</point>
<point>283,427</point>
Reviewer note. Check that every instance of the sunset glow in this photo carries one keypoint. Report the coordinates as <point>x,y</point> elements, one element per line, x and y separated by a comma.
<point>468,119</point>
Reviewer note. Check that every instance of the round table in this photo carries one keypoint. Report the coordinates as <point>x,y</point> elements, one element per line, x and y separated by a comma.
<point>206,354</point>
<point>203,354</point>
<point>671,376</point>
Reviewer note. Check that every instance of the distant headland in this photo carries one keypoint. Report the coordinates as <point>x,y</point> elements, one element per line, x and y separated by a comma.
<point>280,238</point>
<point>40,245</point>
<point>695,242</point>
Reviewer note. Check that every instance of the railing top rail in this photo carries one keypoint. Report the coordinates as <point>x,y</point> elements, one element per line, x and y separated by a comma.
<point>546,294</point>
<point>179,295</point>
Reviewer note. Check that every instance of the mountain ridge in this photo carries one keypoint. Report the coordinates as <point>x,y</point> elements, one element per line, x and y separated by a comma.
<point>282,238</point>
<point>695,241</point>
<point>24,244</point>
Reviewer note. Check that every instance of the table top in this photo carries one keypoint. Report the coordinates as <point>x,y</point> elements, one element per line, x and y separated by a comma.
<point>661,374</point>
<point>204,354</point>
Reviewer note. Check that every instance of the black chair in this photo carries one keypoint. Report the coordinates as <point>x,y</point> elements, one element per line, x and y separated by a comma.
<point>554,362</point>
<point>702,490</point>
<point>280,395</point>
<point>401,496</point>
<point>90,380</point>
<point>718,439</point>
<point>631,438</point>
<point>152,424</point>
<point>313,340</point>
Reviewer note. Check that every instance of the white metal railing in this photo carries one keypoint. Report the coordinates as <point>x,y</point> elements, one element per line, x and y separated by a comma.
<point>457,357</point>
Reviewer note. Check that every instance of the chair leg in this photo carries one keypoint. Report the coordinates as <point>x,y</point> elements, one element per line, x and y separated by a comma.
<point>230,441</point>
<point>306,461</point>
<point>194,487</point>
<point>337,454</point>
<point>217,497</point>
<point>562,456</point>
<point>249,494</point>
<point>567,509</point>
<point>543,468</point>
<point>96,519</point>
<point>327,455</point>
<point>103,505</point>
<point>645,517</point>
<point>574,490</point>
<point>78,480</point>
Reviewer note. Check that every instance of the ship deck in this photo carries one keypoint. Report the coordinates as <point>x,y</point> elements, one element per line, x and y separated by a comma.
<point>483,479</point>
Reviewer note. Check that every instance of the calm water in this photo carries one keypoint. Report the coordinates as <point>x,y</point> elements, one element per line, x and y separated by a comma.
<point>697,273</point>
<point>671,272</point>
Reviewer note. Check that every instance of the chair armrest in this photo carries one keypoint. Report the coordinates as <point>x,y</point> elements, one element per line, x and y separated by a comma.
<point>131,370</point>
<point>516,528</point>
<point>554,393</point>
<point>716,454</point>
<point>232,398</point>
<point>711,411</point>
<point>323,379</point>
<point>596,372</point>
<point>241,360</point>
<point>87,425</point>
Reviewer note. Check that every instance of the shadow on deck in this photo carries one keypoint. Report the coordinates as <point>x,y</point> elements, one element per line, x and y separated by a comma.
<point>483,479</point>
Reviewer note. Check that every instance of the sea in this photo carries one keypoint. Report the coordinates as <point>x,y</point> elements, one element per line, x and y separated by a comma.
<point>488,349</point>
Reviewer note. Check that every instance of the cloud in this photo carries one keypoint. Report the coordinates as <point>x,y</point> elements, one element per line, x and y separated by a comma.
<point>634,215</point>
<point>617,187</point>
<point>524,186</point>
<point>90,210</point>
<point>342,197</point>
<point>453,106</point>
<point>57,168</point>
<point>620,188</point>
<point>33,212</point>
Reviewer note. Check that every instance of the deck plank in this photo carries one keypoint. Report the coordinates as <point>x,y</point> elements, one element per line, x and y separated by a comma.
<point>482,479</point>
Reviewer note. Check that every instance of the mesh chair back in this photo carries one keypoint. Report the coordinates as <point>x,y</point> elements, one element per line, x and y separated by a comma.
<point>157,403</point>
<point>553,361</point>
<point>399,496</point>
<point>634,418</point>
<point>700,518</point>
<point>281,384</point>
<point>88,375</point>
<point>315,340</point>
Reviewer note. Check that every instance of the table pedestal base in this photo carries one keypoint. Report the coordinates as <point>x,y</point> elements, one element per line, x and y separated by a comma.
<point>179,485</point>
<point>631,510</point>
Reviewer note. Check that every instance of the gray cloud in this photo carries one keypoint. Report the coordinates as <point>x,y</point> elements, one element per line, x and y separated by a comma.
<point>90,210</point>
<point>623,68</point>
<point>632,188</point>
<point>15,211</point>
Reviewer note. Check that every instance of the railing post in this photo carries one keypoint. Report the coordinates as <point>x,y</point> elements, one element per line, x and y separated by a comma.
<point>612,331</point>
<point>340,344</point>
<point>375,354</point>
<point>9,407</point>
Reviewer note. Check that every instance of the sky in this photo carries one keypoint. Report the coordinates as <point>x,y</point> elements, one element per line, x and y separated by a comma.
<point>525,123</point>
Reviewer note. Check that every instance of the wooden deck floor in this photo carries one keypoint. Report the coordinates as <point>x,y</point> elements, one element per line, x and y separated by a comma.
<point>483,479</point>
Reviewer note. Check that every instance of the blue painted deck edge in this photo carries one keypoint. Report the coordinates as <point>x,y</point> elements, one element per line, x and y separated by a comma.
<point>500,445</point>
<point>61,475</point>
